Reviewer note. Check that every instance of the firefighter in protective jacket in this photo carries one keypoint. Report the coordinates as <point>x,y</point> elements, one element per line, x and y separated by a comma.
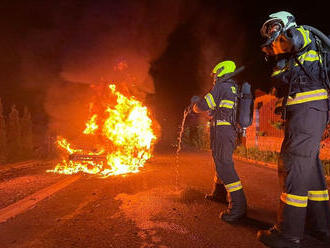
<point>221,102</point>
<point>300,82</point>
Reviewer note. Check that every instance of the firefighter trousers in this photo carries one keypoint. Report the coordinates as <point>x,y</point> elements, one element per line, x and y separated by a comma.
<point>304,191</point>
<point>223,141</point>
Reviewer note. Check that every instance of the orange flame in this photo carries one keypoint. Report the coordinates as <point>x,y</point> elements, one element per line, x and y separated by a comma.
<point>127,130</point>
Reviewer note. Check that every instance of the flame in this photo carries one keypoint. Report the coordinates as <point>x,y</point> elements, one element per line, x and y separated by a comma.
<point>63,143</point>
<point>127,131</point>
<point>91,125</point>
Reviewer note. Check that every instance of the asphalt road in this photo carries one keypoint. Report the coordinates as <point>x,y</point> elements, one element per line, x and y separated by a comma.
<point>162,206</point>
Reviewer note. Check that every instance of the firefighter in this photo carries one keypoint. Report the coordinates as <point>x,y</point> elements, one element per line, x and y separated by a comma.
<point>300,81</point>
<point>221,102</point>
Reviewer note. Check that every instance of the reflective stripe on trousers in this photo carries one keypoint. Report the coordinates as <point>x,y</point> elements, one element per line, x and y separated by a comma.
<point>318,195</point>
<point>294,200</point>
<point>301,201</point>
<point>233,186</point>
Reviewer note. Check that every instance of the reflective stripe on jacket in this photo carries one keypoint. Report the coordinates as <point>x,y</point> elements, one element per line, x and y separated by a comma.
<point>301,70</point>
<point>307,96</point>
<point>309,56</point>
<point>221,102</point>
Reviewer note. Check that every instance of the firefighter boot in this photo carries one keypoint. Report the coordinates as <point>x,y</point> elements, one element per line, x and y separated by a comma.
<point>273,238</point>
<point>236,209</point>
<point>219,194</point>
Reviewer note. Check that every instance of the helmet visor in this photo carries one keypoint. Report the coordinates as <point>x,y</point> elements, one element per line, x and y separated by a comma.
<point>270,27</point>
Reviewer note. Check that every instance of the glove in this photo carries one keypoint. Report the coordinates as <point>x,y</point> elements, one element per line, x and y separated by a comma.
<point>195,99</point>
<point>246,88</point>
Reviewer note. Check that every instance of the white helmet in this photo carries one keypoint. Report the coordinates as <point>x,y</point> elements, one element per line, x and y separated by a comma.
<point>278,22</point>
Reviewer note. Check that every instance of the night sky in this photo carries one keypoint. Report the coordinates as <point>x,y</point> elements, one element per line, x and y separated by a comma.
<point>49,47</point>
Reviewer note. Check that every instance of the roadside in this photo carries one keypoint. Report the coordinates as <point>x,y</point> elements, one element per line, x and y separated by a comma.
<point>262,163</point>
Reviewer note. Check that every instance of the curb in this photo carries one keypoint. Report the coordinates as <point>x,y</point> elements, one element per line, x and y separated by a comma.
<point>266,164</point>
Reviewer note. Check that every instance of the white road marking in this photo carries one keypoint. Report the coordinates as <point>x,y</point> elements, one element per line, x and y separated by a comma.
<point>29,201</point>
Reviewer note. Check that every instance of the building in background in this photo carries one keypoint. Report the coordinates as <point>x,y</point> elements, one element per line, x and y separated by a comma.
<point>266,132</point>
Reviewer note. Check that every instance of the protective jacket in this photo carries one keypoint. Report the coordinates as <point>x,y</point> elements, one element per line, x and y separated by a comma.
<point>221,102</point>
<point>298,68</point>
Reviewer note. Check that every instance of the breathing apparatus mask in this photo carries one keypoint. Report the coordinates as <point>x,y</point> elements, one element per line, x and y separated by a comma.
<point>271,30</point>
<point>277,24</point>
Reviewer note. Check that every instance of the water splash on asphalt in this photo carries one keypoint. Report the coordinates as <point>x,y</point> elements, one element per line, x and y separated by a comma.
<point>147,210</point>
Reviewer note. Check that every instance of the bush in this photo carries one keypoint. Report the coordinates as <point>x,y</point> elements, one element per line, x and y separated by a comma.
<point>269,156</point>
<point>196,137</point>
<point>256,154</point>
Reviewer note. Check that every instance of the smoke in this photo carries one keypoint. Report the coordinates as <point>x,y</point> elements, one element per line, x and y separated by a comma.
<point>66,46</point>
<point>221,38</point>
<point>107,41</point>
<point>117,42</point>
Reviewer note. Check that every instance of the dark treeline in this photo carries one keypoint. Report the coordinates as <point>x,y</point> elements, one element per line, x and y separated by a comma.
<point>17,140</point>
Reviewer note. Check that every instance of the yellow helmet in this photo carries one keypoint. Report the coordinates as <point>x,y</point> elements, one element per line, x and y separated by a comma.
<point>223,68</point>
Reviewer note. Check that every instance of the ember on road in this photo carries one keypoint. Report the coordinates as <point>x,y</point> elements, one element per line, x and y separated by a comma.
<point>162,206</point>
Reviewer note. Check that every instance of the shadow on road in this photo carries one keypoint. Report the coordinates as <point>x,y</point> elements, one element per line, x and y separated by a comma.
<point>191,195</point>
<point>255,224</point>
<point>257,219</point>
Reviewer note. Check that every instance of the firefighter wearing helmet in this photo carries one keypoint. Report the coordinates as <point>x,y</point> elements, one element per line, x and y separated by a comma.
<point>300,82</point>
<point>221,102</point>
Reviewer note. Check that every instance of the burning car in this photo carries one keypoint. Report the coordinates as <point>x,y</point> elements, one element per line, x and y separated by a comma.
<point>123,135</point>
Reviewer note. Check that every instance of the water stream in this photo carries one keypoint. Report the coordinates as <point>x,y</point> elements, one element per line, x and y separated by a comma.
<point>186,112</point>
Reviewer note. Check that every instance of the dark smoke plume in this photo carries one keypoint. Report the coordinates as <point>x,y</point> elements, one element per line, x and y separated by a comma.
<point>58,49</point>
<point>107,41</point>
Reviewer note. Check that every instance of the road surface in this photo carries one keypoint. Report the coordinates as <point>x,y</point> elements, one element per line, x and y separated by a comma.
<point>162,206</point>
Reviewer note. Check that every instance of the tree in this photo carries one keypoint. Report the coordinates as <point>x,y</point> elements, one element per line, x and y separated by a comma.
<point>14,135</point>
<point>26,134</point>
<point>3,137</point>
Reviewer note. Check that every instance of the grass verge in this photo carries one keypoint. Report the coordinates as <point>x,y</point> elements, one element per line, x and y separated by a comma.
<point>269,156</point>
